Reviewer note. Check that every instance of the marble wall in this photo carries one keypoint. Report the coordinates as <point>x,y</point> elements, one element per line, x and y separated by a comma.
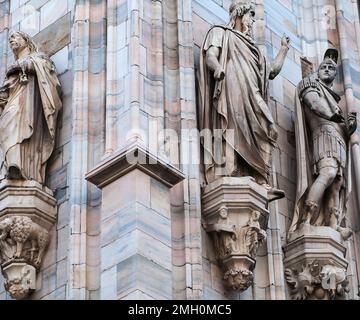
<point>312,27</point>
<point>128,69</point>
<point>49,22</point>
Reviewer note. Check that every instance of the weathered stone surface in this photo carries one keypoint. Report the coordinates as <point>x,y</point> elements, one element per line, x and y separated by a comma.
<point>238,127</point>
<point>136,228</point>
<point>115,59</point>
<point>55,37</point>
<point>315,264</point>
<point>27,213</point>
<point>322,141</point>
<point>20,279</point>
<point>235,214</point>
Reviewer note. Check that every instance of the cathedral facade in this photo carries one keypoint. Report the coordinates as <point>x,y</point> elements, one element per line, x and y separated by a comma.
<point>125,209</point>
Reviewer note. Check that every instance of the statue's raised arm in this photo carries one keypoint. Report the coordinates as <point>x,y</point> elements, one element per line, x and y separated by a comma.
<point>234,77</point>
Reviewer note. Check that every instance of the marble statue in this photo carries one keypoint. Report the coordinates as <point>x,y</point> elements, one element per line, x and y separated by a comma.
<point>29,104</point>
<point>234,77</point>
<point>323,133</point>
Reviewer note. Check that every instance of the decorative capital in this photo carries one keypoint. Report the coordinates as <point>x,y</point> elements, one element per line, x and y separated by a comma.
<point>234,213</point>
<point>22,240</point>
<point>27,213</point>
<point>317,282</point>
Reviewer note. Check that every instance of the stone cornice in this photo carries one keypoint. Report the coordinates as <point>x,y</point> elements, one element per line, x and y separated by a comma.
<point>135,157</point>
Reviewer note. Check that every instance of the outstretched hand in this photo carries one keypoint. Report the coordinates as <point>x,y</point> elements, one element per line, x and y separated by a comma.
<point>285,41</point>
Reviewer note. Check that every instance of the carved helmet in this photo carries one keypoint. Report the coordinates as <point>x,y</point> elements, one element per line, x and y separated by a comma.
<point>332,55</point>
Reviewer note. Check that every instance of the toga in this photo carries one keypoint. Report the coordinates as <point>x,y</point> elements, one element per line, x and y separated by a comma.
<point>237,103</point>
<point>28,119</point>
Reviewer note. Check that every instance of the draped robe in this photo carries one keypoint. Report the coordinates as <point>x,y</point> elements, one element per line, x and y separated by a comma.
<point>28,119</point>
<point>237,103</point>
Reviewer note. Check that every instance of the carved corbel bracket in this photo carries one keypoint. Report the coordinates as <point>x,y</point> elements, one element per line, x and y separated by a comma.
<point>27,213</point>
<point>317,282</point>
<point>235,214</point>
<point>315,264</point>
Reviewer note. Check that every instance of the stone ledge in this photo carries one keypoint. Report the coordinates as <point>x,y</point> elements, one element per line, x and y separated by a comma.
<point>315,243</point>
<point>118,165</point>
<point>238,195</point>
<point>28,198</point>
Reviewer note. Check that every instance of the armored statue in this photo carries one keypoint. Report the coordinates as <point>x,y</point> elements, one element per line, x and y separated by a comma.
<point>323,133</point>
<point>29,105</point>
<point>234,77</point>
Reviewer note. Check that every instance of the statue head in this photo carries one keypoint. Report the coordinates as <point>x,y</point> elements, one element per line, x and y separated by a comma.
<point>17,289</point>
<point>328,68</point>
<point>19,41</point>
<point>242,17</point>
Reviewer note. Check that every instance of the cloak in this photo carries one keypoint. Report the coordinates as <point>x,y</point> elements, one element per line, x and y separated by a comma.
<point>28,121</point>
<point>236,103</point>
<point>305,170</point>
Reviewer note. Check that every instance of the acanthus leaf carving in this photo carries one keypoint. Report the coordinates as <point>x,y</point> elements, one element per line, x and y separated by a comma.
<point>317,282</point>
<point>236,249</point>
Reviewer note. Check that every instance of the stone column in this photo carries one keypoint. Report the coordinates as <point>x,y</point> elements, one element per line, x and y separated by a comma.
<point>135,224</point>
<point>144,66</point>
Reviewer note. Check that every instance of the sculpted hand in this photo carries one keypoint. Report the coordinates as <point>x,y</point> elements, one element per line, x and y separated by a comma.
<point>352,123</point>
<point>338,117</point>
<point>285,42</point>
<point>219,74</point>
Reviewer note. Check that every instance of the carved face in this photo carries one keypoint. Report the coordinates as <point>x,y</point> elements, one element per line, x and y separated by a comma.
<point>17,289</point>
<point>17,42</point>
<point>327,72</point>
<point>239,280</point>
<point>247,21</point>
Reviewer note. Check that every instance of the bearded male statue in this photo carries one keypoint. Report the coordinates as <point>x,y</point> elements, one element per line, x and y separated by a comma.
<point>234,78</point>
<point>29,105</point>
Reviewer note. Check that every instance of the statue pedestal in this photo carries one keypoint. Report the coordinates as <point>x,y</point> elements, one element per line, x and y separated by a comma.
<point>315,264</point>
<point>235,213</point>
<point>27,214</point>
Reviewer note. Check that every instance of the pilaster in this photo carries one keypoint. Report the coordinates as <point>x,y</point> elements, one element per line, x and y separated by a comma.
<point>136,250</point>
